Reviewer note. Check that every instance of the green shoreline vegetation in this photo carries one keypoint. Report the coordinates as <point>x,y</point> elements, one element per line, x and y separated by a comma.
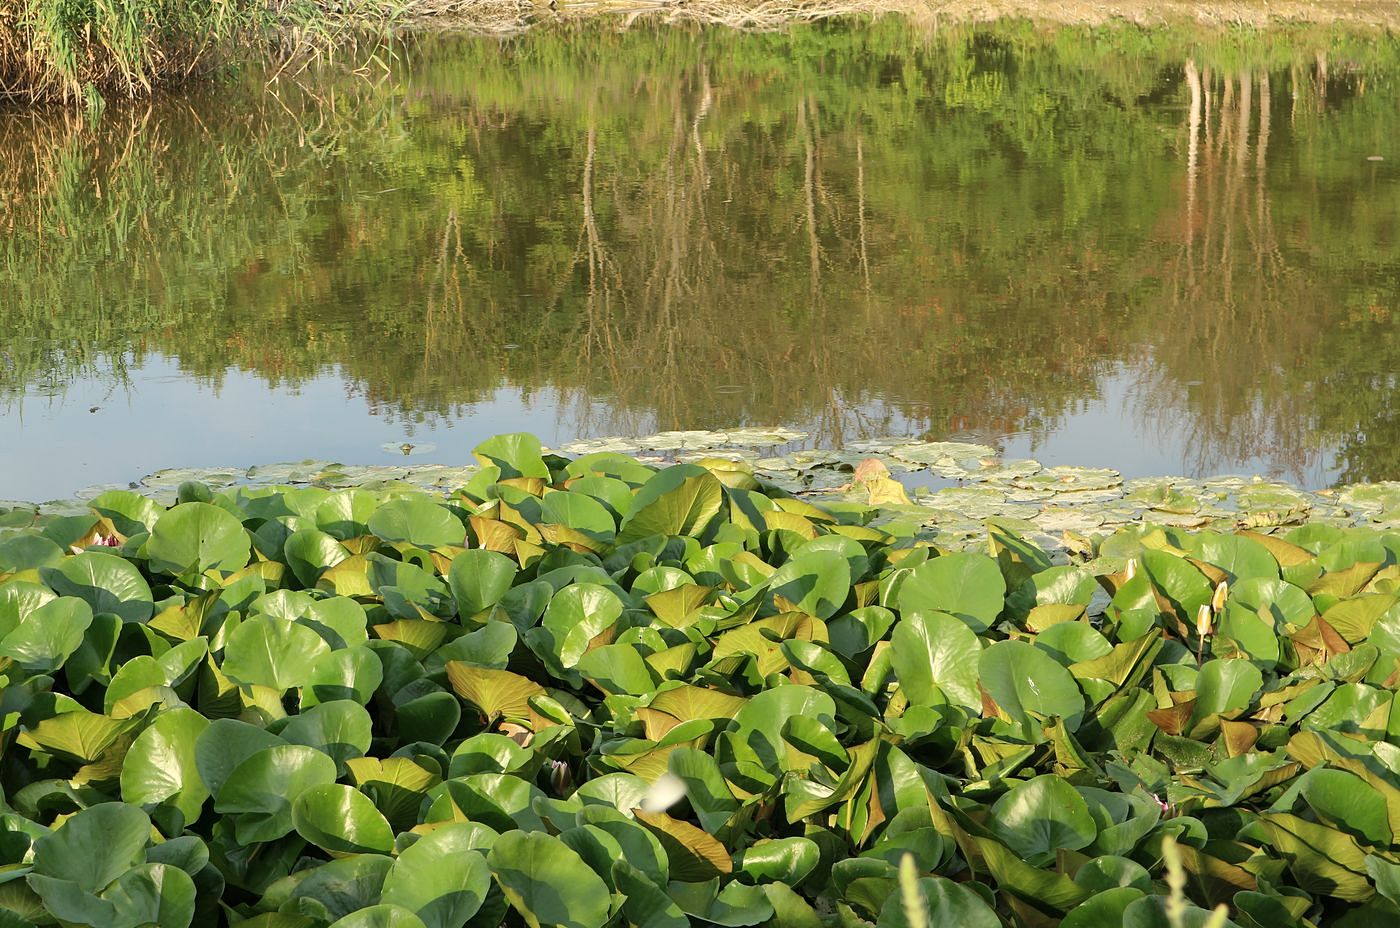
<point>595,690</point>
<point>81,50</point>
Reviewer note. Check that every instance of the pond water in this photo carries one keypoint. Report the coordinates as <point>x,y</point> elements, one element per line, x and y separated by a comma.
<point>1164,252</point>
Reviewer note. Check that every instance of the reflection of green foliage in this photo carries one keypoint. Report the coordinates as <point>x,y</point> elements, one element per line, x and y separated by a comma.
<point>697,227</point>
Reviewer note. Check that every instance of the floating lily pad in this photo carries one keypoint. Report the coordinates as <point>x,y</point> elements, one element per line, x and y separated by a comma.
<point>941,452</point>
<point>599,445</point>
<point>754,436</point>
<point>212,476</point>
<point>1067,479</point>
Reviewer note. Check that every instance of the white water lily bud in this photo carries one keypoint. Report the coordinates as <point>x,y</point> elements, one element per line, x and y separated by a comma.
<point>1205,621</point>
<point>1132,567</point>
<point>1222,592</point>
<point>668,790</point>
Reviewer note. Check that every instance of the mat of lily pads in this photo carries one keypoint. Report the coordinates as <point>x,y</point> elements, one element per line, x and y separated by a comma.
<point>588,688</point>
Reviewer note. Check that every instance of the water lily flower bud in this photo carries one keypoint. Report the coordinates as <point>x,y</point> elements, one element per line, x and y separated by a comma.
<point>560,778</point>
<point>1222,592</point>
<point>1132,568</point>
<point>1205,621</point>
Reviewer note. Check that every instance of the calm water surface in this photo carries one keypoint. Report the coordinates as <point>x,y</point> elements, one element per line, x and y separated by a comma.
<point>1162,252</point>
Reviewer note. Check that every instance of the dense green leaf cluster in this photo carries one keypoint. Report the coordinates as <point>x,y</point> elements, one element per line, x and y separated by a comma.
<point>598,692</point>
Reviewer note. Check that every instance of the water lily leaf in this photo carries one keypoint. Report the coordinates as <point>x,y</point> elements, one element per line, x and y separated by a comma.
<point>1354,618</point>
<point>153,894</point>
<point>338,729</point>
<point>63,899</point>
<point>579,511</point>
<point>1108,872</point>
<point>966,585</point>
<point>379,916</point>
<point>194,537</point>
<point>1150,912</point>
<point>499,800</point>
<point>815,583</point>
<point>1386,876</point>
<point>105,582</point>
<point>260,792</point>
<point>547,883</point>
<point>351,673</point>
<point>1104,909</point>
<point>1063,585</point>
<point>28,552</point>
<point>735,906</point>
<point>705,788</point>
<point>1044,888</point>
<point>341,820</point>
<point>1027,684</point>
<point>397,785</point>
<point>1225,686</point>
<point>94,847</point>
<point>942,902</point>
<point>1247,634</point>
<point>1347,802</point>
<point>277,653</point>
<point>1041,815</point>
<point>1324,861</point>
<point>431,718</point>
<point>617,669</point>
<point>440,877</point>
<point>160,765</point>
<point>493,693</point>
<point>311,553</point>
<point>860,629</point>
<point>1073,643</point>
<point>1181,583</point>
<point>336,889</point>
<point>517,455</point>
<point>225,744</point>
<point>680,500</point>
<point>759,724</point>
<point>1240,557</point>
<point>936,654</point>
<point>479,578</point>
<point>577,615</point>
<point>49,635</point>
<point>646,906</point>
<point>77,735</point>
<point>345,514</point>
<point>1349,708</point>
<point>1284,602</point>
<point>488,752</point>
<point>694,855</point>
<point>418,521</point>
<point>781,860</point>
<point>130,513</point>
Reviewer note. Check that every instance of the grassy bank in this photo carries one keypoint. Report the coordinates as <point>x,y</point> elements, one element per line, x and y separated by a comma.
<point>71,48</point>
<point>79,49</point>
<point>76,50</point>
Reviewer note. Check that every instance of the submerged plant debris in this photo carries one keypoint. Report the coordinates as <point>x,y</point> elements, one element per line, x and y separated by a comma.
<point>700,678</point>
